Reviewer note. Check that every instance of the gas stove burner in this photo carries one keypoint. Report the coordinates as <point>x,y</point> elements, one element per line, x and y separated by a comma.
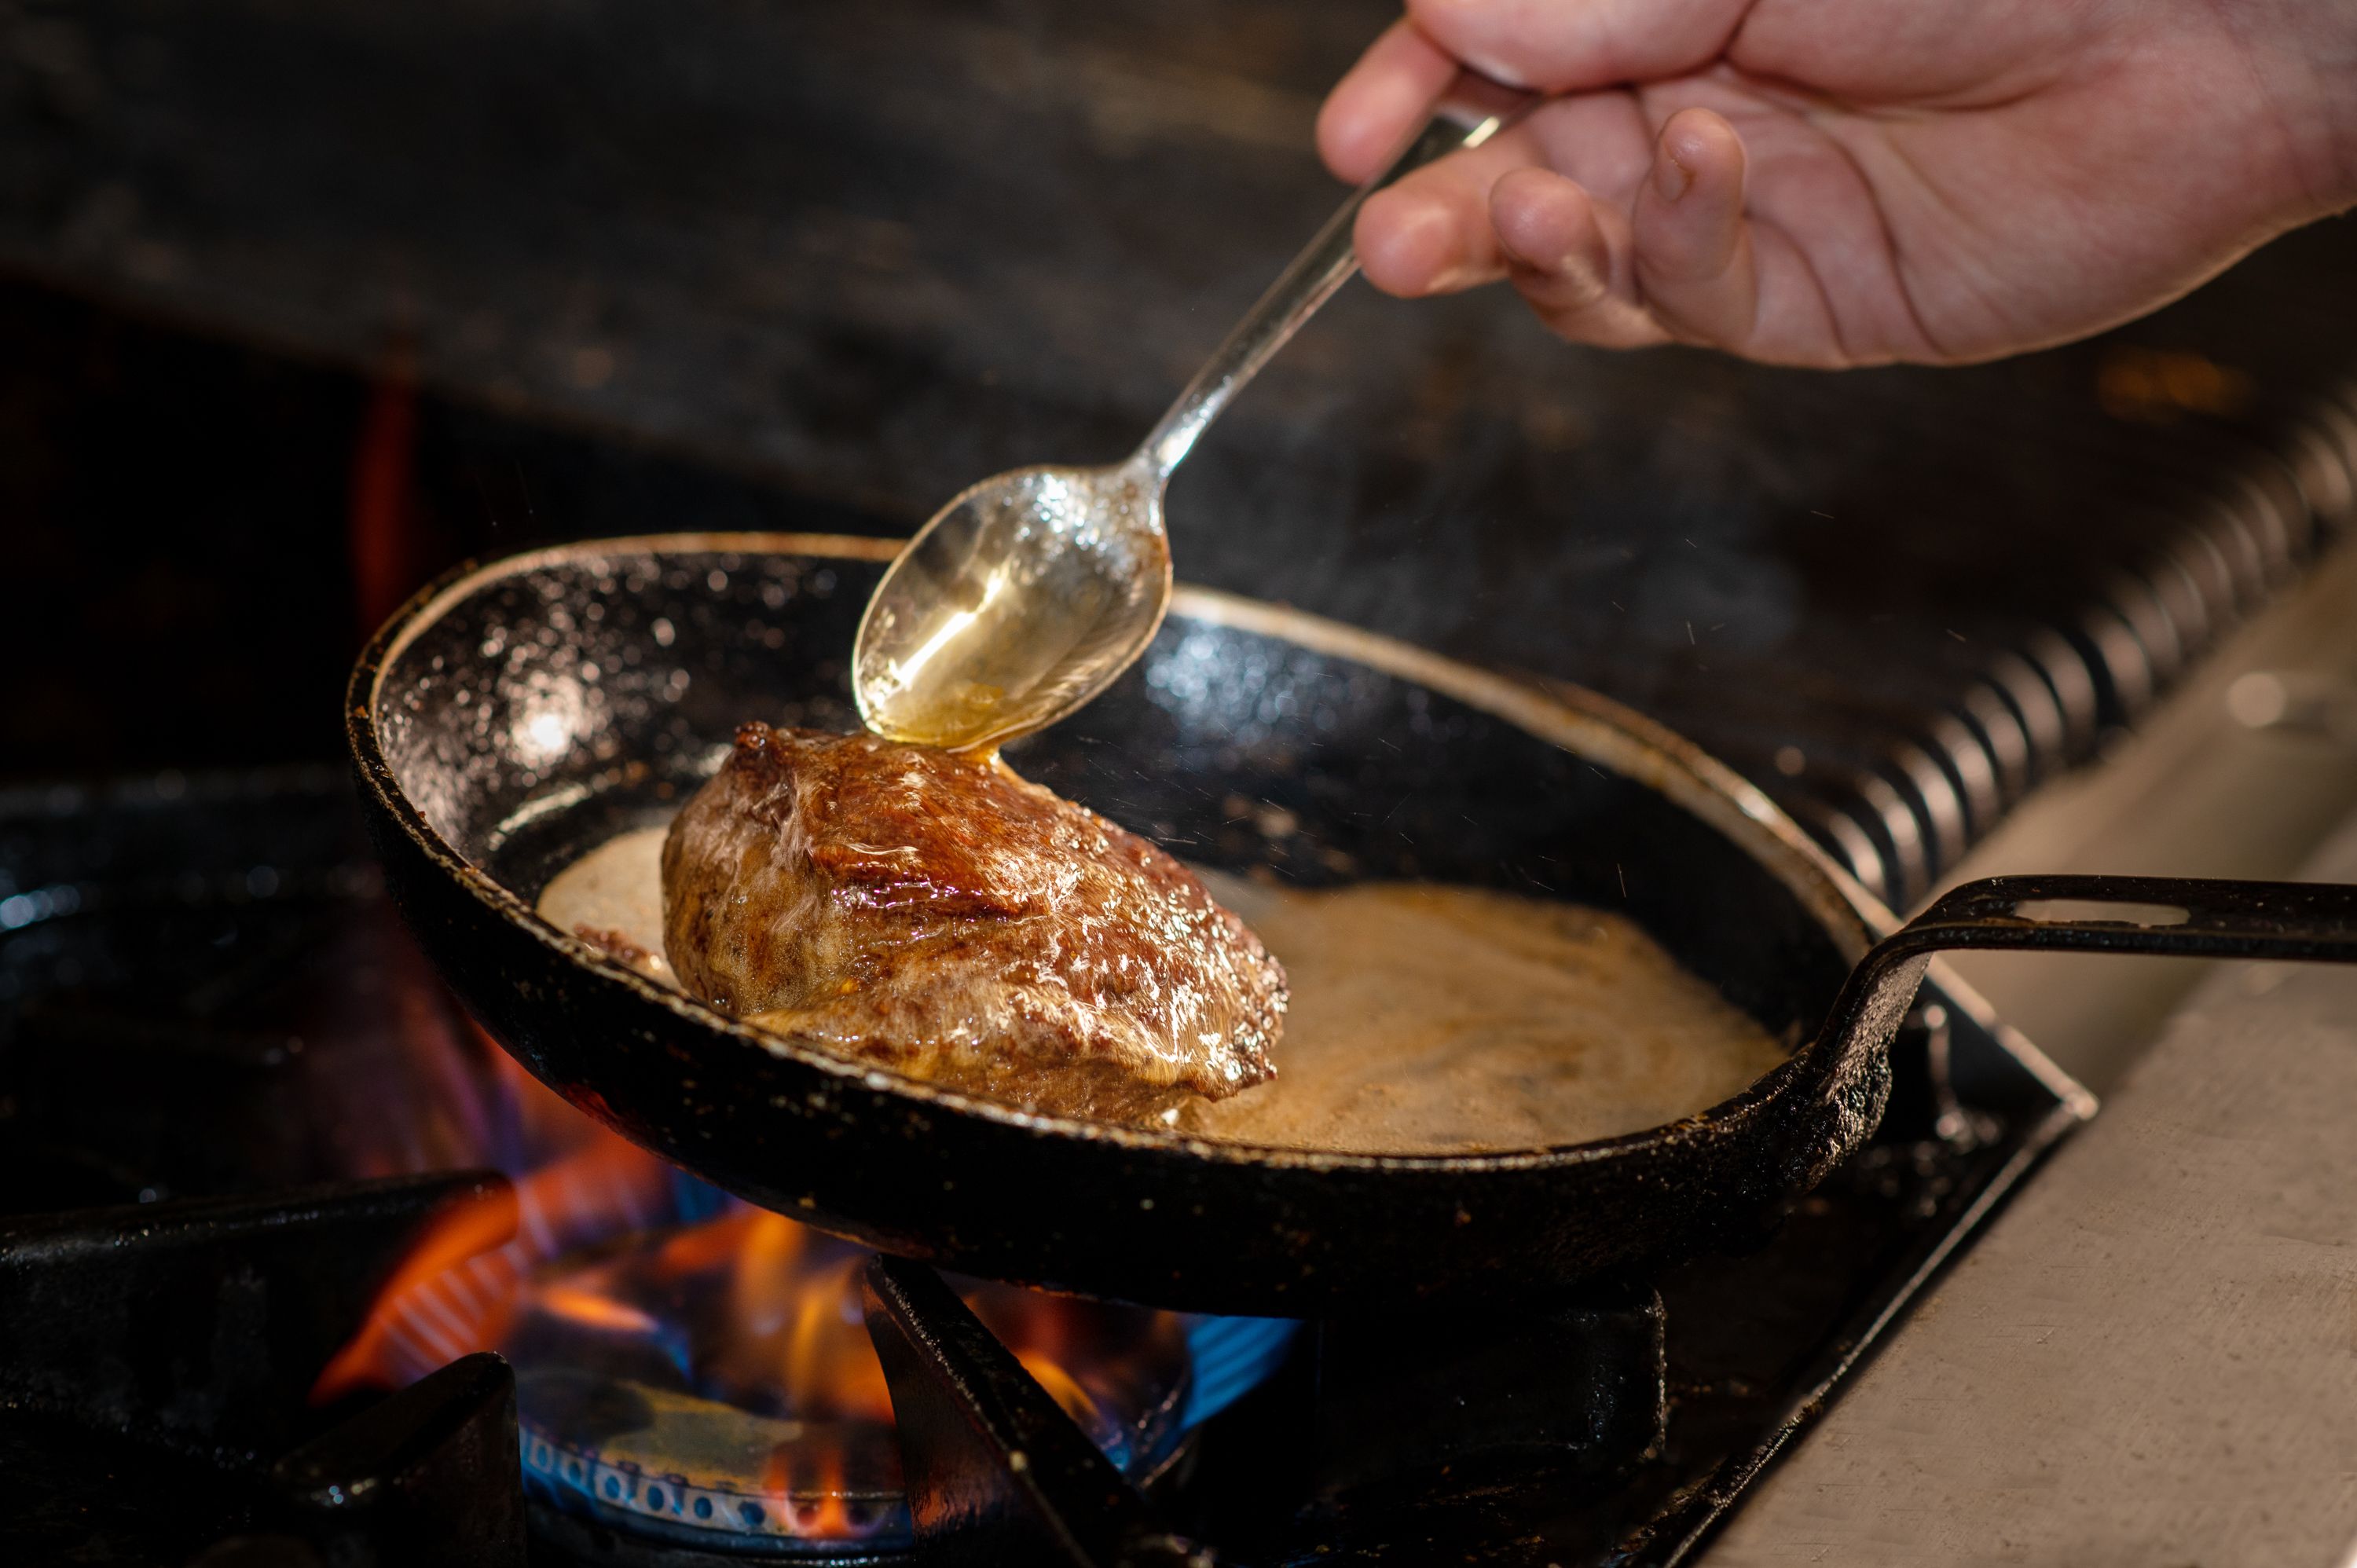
<point>715,1384</point>
<point>653,1462</point>
<point>693,1370</point>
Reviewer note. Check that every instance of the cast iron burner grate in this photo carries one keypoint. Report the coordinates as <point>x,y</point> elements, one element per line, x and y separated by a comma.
<point>200,1210</point>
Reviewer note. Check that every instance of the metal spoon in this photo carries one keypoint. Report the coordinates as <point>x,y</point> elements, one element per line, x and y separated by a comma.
<point>1026,595</point>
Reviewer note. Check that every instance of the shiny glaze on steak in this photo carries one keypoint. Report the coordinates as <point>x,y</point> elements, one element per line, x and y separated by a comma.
<point>938,915</point>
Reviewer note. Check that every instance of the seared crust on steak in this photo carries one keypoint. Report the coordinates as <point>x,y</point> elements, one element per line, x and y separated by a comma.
<point>938,915</point>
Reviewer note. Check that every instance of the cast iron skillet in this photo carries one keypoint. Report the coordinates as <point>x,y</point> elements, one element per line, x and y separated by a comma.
<point>513,716</point>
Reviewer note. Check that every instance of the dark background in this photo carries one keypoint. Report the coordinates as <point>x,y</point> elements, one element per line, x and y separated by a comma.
<point>301,302</point>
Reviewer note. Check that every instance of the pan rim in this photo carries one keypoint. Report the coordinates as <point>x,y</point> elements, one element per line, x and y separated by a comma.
<point>1585,722</point>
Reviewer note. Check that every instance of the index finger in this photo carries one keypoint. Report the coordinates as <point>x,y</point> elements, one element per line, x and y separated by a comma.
<point>1381,99</point>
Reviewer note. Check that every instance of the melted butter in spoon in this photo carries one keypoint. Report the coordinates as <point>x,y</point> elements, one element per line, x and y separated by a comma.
<point>1425,1018</point>
<point>1020,600</point>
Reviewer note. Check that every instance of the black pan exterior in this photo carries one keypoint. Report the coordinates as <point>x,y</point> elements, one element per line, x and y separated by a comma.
<point>514,716</point>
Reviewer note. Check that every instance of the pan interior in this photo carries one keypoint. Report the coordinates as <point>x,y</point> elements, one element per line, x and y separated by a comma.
<point>538,708</point>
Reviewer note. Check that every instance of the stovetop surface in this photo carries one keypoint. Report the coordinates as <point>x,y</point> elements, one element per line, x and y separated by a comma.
<point>217,1131</point>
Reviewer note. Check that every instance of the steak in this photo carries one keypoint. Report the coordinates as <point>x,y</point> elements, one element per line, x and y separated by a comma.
<point>935,914</point>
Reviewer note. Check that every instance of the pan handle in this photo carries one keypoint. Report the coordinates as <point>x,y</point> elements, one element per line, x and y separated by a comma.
<point>2197,917</point>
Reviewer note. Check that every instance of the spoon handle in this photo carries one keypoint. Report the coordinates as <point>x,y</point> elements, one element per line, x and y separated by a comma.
<point>1473,109</point>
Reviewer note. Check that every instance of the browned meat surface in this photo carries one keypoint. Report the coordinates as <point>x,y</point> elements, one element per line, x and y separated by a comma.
<point>939,916</point>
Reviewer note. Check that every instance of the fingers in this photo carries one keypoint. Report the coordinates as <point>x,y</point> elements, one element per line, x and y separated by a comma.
<point>1634,253</point>
<point>1544,43</point>
<point>1673,259</point>
<point>1382,98</point>
<point>1431,233</point>
<point>1613,237</point>
<point>1694,264</point>
<point>1572,260</point>
<point>1571,48</point>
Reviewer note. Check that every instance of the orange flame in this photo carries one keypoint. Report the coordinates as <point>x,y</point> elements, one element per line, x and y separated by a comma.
<point>759,1311</point>
<point>1061,1388</point>
<point>465,1230</point>
<point>831,1520</point>
<point>457,1290</point>
<point>591,1310</point>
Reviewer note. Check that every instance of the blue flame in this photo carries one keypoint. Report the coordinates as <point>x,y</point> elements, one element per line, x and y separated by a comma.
<point>1231,1357</point>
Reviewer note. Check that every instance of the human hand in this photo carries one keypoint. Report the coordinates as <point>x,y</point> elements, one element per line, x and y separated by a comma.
<point>1851,182</point>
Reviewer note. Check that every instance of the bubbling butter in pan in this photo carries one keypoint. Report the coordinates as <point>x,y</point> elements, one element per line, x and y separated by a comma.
<point>1429,1018</point>
<point>612,899</point>
<point>1426,1018</point>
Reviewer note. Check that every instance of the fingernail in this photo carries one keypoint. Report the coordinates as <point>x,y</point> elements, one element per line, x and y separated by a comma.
<point>1672,179</point>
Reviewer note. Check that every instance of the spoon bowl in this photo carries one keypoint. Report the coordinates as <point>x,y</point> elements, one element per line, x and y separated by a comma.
<point>1020,600</point>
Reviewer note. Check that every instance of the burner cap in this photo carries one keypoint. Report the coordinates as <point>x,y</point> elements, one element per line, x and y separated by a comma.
<point>652,1461</point>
